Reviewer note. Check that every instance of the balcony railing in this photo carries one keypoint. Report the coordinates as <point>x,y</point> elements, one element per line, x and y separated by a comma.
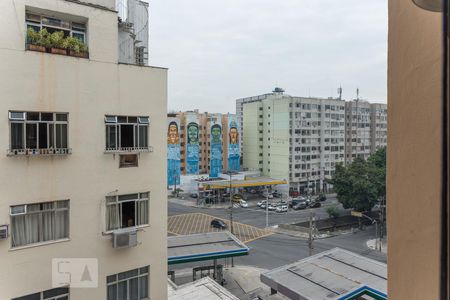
<point>40,152</point>
<point>129,149</point>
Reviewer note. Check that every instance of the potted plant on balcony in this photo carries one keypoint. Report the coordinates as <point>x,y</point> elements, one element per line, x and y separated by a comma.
<point>37,41</point>
<point>76,47</point>
<point>57,43</point>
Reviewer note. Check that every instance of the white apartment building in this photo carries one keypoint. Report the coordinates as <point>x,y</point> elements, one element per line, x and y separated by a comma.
<point>294,138</point>
<point>84,150</point>
<point>365,128</point>
<point>302,139</point>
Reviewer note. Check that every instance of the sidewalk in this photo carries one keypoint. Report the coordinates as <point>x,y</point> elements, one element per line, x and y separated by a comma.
<point>375,245</point>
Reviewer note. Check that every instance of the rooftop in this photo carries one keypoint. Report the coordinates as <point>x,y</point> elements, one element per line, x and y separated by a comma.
<point>333,275</point>
<point>202,289</point>
<point>204,246</point>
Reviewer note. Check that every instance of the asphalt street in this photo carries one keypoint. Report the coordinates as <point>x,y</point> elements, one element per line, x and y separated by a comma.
<point>280,249</point>
<point>256,216</point>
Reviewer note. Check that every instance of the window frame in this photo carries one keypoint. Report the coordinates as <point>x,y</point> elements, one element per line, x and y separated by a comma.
<point>140,274</point>
<point>118,203</point>
<point>41,229</point>
<point>52,139</point>
<point>138,122</point>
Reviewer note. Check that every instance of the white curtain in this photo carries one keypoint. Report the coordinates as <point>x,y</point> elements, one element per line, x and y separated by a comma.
<point>142,212</point>
<point>112,217</point>
<point>40,223</point>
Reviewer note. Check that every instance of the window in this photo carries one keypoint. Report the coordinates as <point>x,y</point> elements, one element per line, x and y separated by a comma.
<point>126,133</point>
<point>129,285</point>
<point>128,160</point>
<point>127,210</point>
<point>53,294</point>
<point>34,133</point>
<point>38,22</point>
<point>39,222</point>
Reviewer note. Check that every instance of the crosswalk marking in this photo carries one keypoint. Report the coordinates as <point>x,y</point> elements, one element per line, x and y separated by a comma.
<point>200,223</point>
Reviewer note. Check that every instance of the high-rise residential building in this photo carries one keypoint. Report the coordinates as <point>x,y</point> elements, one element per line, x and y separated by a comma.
<point>365,128</point>
<point>301,139</point>
<point>84,152</point>
<point>201,123</point>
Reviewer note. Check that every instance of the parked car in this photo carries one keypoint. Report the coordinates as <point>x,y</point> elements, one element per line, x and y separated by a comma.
<point>261,203</point>
<point>195,196</point>
<point>321,197</point>
<point>282,202</point>
<point>237,198</point>
<point>315,204</point>
<point>300,205</point>
<point>282,208</point>
<point>277,194</point>
<point>243,204</point>
<point>297,200</point>
<point>272,207</point>
<point>252,191</point>
<point>217,223</point>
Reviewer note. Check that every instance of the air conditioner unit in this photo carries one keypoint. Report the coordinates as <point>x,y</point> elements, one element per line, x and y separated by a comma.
<point>124,238</point>
<point>3,232</point>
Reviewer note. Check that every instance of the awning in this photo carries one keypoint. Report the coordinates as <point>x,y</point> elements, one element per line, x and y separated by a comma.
<point>253,182</point>
<point>204,246</point>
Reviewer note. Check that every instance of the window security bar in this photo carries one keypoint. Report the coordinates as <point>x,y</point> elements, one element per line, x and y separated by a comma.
<point>39,152</point>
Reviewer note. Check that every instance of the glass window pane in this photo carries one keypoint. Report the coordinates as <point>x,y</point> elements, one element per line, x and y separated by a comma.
<point>33,116</point>
<point>111,278</point>
<point>122,291</point>
<point>110,119</point>
<point>143,287</point>
<point>51,136</point>
<point>111,137</point>
<point>143,134</point>
<point>55,292</point>
<point>132,119</point>
<point>17,136</point>
<point>128,274</point>
<point>112,292</point>
<point>43,135</point>
<point>79,35</point>
<point>144,120</point>
<point>16,115</point>
<point>128,197</point>
<point>134,289</point>
<point>143,270</point>
<point>31,136</point>
<point>61,135</point>
<point>36,296</point>
<point>61,117</point>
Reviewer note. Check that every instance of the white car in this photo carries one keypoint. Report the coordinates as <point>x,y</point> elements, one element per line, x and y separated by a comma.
<point>261,203</point>
<point>282,208</point>
<point>243,204</point>
<point>272,207</point>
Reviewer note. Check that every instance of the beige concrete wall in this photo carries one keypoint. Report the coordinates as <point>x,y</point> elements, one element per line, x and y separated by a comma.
<point>251,135</point>
<point>414,156</point>
<point>87,90</point>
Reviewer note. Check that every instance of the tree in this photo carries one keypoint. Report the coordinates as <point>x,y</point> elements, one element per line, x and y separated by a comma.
<point>361,184</point>
<point>333,214</point>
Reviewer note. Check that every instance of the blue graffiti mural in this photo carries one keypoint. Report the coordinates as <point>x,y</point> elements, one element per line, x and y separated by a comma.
<point>192,149</point>
<point>216,151</point>
<point>173,154</point>
<point>234,153</point>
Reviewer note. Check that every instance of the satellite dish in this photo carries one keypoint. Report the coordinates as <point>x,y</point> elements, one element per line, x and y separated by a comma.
<point>431,5</point>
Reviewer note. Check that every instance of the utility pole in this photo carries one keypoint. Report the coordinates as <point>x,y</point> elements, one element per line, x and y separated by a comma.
<point>267,207</point>
<point>312,221</point>
<point>231,213</point>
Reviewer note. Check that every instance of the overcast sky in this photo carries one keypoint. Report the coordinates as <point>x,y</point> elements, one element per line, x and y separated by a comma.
<point>221,50</point>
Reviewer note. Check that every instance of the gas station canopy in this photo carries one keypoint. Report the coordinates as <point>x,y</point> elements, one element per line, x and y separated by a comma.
<point>252,182</point>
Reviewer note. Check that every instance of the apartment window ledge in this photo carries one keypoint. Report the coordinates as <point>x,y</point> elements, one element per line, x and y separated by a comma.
<point>128,150</point>
<point>138,228</point>
<point>40,244</point>
<point>39,152</point>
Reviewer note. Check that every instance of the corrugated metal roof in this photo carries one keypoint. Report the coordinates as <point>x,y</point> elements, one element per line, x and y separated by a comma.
<point>327,275</point>
<point>202,289</point>
<point>204,246</point>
